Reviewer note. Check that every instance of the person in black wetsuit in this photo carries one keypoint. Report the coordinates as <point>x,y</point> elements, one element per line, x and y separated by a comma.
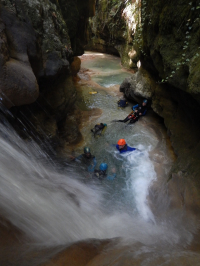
<point>98,129</point>
<point>86,159</point>
<point>141,109</point>
<point>132,118</point>
<point>138,111</point>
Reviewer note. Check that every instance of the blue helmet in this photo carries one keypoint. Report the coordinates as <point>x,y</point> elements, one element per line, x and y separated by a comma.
<point>103,166</point>
<point>145,101</point>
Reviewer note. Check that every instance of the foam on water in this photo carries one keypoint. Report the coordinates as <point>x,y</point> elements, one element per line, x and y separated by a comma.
<point>141,174</point>
<point>53,208</point>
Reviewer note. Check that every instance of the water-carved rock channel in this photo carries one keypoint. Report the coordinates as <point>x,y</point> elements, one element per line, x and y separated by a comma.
<point>68,217</point>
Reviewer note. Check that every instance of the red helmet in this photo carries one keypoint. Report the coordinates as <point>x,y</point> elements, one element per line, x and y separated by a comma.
<point>121,142</point>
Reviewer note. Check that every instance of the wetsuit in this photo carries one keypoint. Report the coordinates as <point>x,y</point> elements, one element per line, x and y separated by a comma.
<point>90,162</point>
<point>132,117</point>
<point>125,149</point>
<point>100,174</point>
<point>98,129</point>
<point>140,108</point>
<point>122,103</point>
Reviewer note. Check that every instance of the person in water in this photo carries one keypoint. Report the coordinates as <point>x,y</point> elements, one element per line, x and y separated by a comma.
<point>101,172</point>
<point>87,159</point>
<point>122,103</point>
<point>123,147</point>
<point>138,111</point>
<point>98,129</point>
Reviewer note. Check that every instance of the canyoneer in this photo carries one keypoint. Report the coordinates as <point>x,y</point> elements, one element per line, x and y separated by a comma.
<point>99,129</point>
<point>101,172</point>
<point>123,147</point>
<point>138,110</point>
<point>86,159</point>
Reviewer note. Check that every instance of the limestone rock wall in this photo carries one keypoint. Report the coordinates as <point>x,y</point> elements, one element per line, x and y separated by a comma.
<point>112,29</point>
<point>180,113</point>
<point>171,35</point>
<point>33,48</point>
<point>39,41</point>
<point>171,45</point>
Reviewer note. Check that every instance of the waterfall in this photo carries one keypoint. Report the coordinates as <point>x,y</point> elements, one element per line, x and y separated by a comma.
<point>53,206</point>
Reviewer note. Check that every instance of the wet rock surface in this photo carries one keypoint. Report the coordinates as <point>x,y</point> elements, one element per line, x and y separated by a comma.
<point>112,30</point>
<point>138,85</point>
<point>37,62</point>
<point>36,46</point>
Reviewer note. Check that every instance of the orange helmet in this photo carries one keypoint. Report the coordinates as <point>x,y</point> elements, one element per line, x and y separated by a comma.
<point>121,142</point>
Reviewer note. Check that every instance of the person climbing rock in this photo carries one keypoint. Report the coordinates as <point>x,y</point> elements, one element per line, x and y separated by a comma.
<point>123,147</point>
<point>101,172</point>
<point>99,129</point>
<point>86,159</point>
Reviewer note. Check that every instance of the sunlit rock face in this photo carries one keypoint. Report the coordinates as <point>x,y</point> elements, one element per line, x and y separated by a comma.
<point>112,30</point>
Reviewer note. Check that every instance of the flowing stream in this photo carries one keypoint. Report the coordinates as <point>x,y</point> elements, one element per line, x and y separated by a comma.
<point>60,207</point>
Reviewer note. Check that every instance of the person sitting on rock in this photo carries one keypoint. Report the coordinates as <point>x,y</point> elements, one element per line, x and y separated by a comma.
<point>101,172</point>
<point>132,118</point>
<point>99,129</point>
<point>138,111</point>
<point>141,109</point>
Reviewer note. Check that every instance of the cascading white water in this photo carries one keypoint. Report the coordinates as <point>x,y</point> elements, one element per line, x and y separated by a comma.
<point>53,208</point>
<point>141,174</point>
<point>58,208</point>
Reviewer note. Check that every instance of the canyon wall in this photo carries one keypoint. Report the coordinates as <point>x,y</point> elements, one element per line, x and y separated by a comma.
<point>170,58</point>
<point>112,29</point>
<point>40,41</point>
